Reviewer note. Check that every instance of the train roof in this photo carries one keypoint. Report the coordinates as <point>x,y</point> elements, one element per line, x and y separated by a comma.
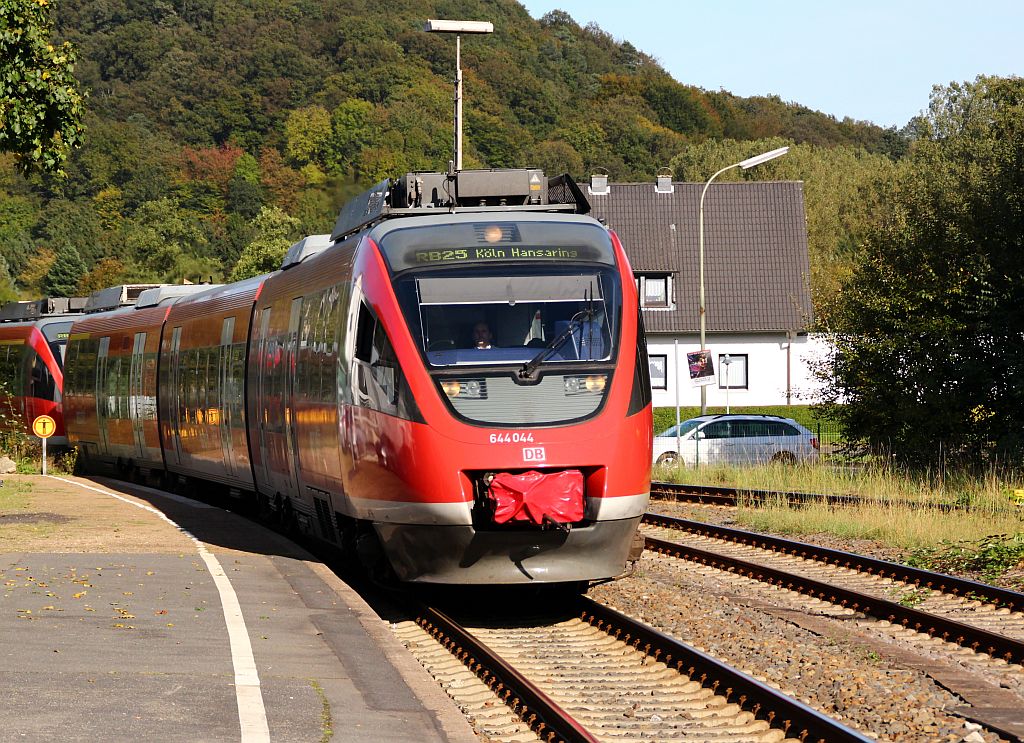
<point>498,191</point>
<point>41,309</point>
<point>304,248</point>
<point>168,294</point>
<point>112,297</point>
<point>217,299</point>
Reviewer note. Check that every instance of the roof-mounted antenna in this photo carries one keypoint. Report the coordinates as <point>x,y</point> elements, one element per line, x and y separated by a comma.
<point>458,28</point>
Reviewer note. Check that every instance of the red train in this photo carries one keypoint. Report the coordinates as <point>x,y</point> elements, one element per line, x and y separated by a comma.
<point>454,384</point>
<point>33,337</point>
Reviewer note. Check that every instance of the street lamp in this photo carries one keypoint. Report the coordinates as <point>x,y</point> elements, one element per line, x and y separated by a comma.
<point>745,164</point>
<point>458,28</point>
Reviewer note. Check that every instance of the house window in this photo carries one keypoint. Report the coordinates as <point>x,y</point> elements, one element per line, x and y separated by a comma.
<point>732,375</point>
<point>659,372</point>
<point>654,289</point>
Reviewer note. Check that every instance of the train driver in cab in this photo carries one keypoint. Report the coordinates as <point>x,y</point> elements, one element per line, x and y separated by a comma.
<point>482,337</point>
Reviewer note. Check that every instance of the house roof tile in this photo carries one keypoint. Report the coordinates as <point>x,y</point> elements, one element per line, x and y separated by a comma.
<point>756,265</point>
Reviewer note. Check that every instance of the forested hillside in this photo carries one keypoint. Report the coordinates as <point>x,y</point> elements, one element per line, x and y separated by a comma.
<point>217,128</point>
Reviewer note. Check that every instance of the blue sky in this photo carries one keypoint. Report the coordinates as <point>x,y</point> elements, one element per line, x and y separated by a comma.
<point>869,60</point>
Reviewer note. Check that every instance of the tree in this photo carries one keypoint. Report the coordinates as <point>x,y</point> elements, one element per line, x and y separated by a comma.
<point>164,239</point>
<point>245,196</point>
<point>8,293</point>
<point>929,332</point>
<point>274,231</point>
<point>840,192</point>
<point>555,157</point>
<point>65,273</point>
<point>40,101</point>
<point>308,131</point>
<point>36,268</point>
<point>106,272</point>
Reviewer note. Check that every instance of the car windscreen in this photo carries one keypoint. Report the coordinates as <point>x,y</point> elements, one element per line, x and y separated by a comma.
<point>684,428</point>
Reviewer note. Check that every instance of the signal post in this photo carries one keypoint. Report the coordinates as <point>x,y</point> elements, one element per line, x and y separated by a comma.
<point>44,427</point>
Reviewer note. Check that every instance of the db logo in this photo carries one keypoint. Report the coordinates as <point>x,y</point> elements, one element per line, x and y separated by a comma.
<point>534,454</point>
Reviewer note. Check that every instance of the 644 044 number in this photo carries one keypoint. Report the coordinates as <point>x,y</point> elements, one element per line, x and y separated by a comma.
<point>511,438</point>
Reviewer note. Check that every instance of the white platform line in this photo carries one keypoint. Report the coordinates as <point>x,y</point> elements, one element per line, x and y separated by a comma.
<point>252,714</point>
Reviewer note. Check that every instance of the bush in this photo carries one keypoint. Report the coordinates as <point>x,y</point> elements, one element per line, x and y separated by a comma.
<point>65,462</point>
<point>991,556</point>
<point>802,414</point>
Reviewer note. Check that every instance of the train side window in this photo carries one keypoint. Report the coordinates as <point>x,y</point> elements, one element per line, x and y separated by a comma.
<point>6,369</point>
<point>42,380</point>
<point>364,333</point>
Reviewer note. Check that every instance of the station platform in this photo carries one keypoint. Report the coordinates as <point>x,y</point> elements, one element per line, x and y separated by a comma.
<point>128,614</point>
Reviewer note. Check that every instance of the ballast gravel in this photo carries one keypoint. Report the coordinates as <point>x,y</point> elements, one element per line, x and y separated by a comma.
<point>833,673</point>
<point>848,682</point>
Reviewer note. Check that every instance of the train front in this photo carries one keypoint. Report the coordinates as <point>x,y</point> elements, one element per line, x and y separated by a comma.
<point>527,362</point>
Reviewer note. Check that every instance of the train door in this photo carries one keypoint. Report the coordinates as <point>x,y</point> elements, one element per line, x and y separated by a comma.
<point>174,420</point>
<point>263,388</point>
<point>291,437</point>
<point>102,398</point>
<point>224,402</point>
<point>347,377</point>
<point>136,402</point>
<point>10,372</point>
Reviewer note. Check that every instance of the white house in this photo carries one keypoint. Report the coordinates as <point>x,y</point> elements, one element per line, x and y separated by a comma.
<point>756,278</point>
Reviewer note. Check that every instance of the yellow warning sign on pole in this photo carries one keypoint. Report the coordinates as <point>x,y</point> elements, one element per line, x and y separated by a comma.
<point>44,426</point>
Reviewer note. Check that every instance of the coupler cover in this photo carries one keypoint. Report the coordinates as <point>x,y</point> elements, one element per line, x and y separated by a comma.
<point>537,497</point>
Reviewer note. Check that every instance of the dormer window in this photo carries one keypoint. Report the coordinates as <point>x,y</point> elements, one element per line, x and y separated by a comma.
<point>655,290</point>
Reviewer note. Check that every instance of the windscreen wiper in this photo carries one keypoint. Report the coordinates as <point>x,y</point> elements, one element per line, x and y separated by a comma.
<point>527,370</point>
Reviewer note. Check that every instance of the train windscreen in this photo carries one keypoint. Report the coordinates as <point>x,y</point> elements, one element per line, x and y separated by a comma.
<point>56,334</point>
<point>508,319</point>
<point>528,339</point>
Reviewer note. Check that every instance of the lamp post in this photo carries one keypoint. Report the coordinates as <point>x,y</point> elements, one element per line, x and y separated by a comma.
<point>745,164</point>
<point>458,28</point>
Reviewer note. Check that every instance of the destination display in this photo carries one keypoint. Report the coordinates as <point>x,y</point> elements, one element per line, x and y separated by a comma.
<point>440,246</point>
<point>502,253</point>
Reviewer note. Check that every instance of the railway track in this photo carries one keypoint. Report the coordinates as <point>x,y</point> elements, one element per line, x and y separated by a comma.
<point>594,674</point>
<point>723,496</point>
<point>826,574</point>
<point>984,619</point>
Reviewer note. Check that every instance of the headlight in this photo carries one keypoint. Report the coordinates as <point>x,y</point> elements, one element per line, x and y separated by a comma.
<point>593,384</point>
<point>465,388</point>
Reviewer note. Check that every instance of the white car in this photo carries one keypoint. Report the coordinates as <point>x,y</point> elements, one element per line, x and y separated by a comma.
<point>736,439</point>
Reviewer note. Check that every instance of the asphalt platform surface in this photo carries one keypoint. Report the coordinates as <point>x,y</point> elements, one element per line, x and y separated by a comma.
<point>149,645</point>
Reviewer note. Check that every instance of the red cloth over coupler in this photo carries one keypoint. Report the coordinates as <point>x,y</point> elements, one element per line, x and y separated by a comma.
<point>538,497</point>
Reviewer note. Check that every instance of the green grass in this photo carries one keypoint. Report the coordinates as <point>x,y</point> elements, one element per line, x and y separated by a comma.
<point>14,495</point>
<point>894,526</point>
<point>986,538</point>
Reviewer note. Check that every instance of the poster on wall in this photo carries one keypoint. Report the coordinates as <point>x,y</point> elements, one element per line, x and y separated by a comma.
<point>702,370</point>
